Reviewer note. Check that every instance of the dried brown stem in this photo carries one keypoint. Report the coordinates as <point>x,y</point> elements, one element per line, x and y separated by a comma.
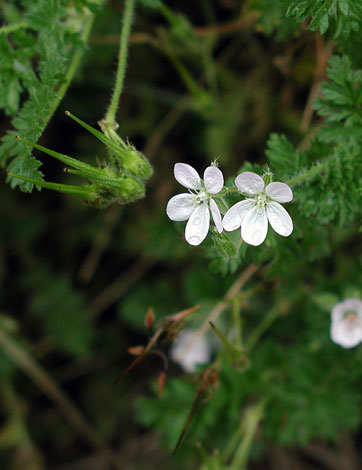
<point>120,285</point>
<point>200,31</point>
<point>323,54</point>
<point>164,127</point>
<point>51,389</point>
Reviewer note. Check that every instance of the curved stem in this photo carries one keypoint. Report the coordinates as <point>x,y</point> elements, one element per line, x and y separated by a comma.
<point>122,62</point>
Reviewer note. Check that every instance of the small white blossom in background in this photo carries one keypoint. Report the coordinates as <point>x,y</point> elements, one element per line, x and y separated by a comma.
<point>262,205</point>
<point>189,351</point>
<point>346,328</point>
<point>196,205</point>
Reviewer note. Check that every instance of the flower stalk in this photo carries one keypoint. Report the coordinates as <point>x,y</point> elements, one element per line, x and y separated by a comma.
<point>109,119</point>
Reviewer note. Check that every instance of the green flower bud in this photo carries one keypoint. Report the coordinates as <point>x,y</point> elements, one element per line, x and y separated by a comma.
<point>135,162</point>
<point>130,188</point>
<point>267,177</point>
<point>125,154</point>
<point>224,246</point>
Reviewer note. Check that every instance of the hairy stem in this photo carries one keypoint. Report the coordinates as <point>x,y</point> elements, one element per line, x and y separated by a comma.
<point>310,172</point>
<point>122,62</point>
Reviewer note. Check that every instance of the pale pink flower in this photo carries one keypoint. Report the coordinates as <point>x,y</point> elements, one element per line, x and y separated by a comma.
<point>346,328</point>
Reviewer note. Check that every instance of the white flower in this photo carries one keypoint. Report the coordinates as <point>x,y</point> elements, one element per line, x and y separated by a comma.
<point>261,206</point>
<point>346,328</point>
<point>196,205</point>
<point>188,351</point>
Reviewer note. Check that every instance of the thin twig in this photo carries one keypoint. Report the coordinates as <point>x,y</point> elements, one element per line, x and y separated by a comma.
<point>164,127</point>
<point>201,31</point>
<point>100,243</point>
<point>219,308</point>
<point>120,285</point>
<point>349,457</point>
<point>323,454</point>
<point>323,53</point>
<point>51,389</point>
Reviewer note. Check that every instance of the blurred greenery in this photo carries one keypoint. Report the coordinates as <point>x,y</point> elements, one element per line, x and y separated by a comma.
<point>249,84</point>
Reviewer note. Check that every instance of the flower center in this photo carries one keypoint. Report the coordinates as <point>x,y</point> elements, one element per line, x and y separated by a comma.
<point>351,319</point>
<point>202,196</point>
<point>260,200</point>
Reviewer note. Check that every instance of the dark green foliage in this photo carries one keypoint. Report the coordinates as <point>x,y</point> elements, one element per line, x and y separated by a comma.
<point>273,18</point>
<point>298,369</point>
<point>341,17</point>
<point>328,176</point>
<point>203,84</point>
<point>62,311</point>
<point>33,67</point>
<point>341,102</point>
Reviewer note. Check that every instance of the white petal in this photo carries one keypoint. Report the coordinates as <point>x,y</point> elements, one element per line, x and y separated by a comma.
<point>180,207</point>
<point>213,179</point>
<point>279,219</point>
<point>341,308</point>
<point>280,192</point>
<point>187,176</point>
<point>235,215</point>
<point>189,350</point>
<point>249,183</point>
<point>254,226</point>
<point>198,225</point>
<point>215,212</point>
<point>346,336</point>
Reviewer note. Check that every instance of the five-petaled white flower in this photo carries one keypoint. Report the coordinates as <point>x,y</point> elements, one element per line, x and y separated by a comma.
<point>189,350</point>
<point>196,205</point>
<point>346,328</point>
<point>261,205</point>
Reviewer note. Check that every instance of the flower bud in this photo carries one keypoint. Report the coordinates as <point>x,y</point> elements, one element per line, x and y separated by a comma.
<point>134,162</point>
<point>224,246</point>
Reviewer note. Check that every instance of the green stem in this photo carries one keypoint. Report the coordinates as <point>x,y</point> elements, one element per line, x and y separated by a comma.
<point>237,320</point>
<point>12,27</point>
<point>248,427</point>
<point>106,180</point>
<point>262,327</point>
<point>194,88</point>
<point>311,172</point>
<point>63,188</point>
<point>122,62</point>
<point>89,169</point>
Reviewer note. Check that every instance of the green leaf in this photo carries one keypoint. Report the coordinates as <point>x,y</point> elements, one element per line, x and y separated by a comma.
<point>27,166</point>
<point>282,155</point>
<point>33,65</point>
<point>341,17</point>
